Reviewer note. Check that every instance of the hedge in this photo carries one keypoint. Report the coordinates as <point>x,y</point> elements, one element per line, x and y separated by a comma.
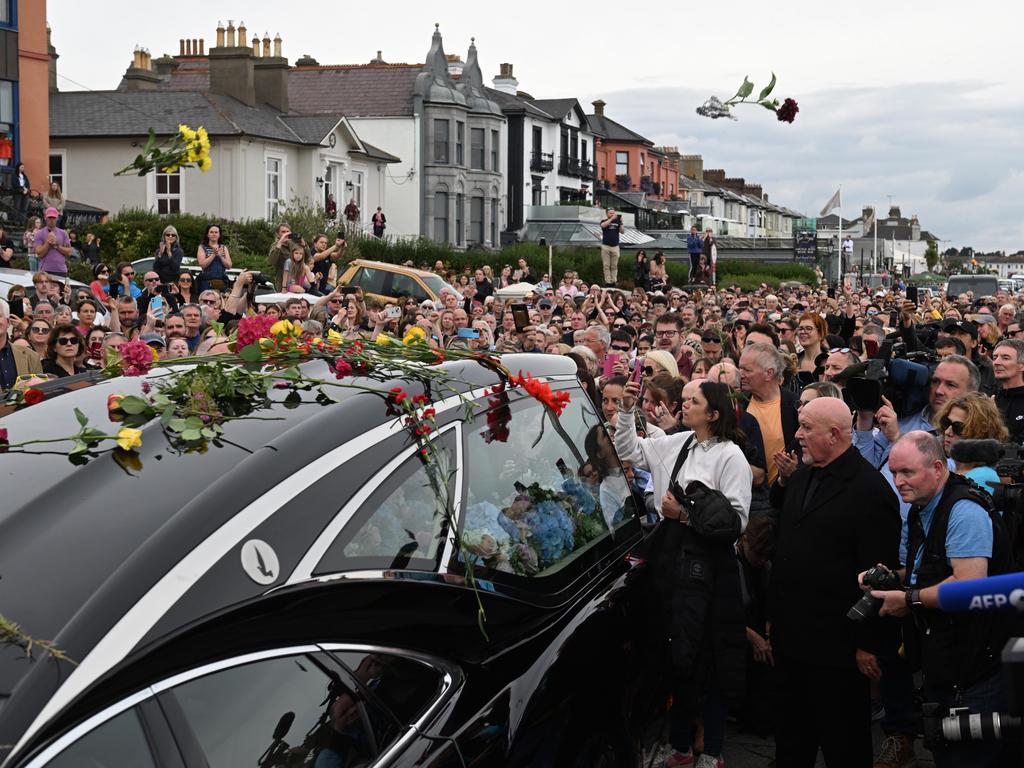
<point>135,233</point>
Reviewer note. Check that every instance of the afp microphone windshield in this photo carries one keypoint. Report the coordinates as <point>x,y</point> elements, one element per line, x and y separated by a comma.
<point>994,593</point>
<point>976,451</point>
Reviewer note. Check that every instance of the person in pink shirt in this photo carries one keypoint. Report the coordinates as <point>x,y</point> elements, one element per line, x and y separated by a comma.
<point>52,246</point>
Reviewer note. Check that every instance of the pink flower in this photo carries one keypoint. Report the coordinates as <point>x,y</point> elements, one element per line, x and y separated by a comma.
<point>146,387</point>
<point>251,329</point>
<point>342,368</point>
<point>137,357</point>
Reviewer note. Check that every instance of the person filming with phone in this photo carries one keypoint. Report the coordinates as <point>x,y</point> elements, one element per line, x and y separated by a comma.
<point>611,229</point>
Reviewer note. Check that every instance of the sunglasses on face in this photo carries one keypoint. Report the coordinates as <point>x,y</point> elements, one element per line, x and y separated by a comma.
<point>67,341</point>
<point>648,370</point>
<point>104,272</point>
<point>127,274</point>
<point>209,302</point>
<point>620,349</point>
<point>184,279</point>
<point>152,280</point>
<point>957,426</point>
<point>40,329</point>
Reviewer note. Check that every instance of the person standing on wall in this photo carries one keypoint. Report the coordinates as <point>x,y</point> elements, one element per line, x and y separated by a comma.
<point>379,221</point>
<point>612,228</point>
<point>694,247</point>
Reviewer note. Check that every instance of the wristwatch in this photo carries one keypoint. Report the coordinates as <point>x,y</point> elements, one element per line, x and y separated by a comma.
<point>914,598</point>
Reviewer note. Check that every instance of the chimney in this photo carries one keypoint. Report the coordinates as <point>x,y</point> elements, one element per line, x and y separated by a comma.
<point>506,81</point>
<point>271,78</point>
<point>599,107</point>
<point>140,75</point>
<point>52,65</point>
<point>256,45</point>
<point>308,61</point>
<point>455,65</point>
<point>915,227</point>
<point>220,35</point>
<point>242,34</point>
<point>266,44</point>
<point>202,46</point>
<point>894,212</point>
<point>693,166</point>
<point>181,46</point>
<point>165,65</point>
<point>714,176</point>
<point>232,69</point>
<point>378,59</point>
<point>188,47</point>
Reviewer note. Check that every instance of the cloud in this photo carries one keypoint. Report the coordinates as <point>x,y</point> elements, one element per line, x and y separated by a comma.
<point>949,152</point>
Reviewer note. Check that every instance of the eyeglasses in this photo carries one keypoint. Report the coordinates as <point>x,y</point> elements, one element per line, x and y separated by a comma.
<point>68,340</point>
<point>152,280</point>
<point>783,329</point>
<point>620,349</point>
<point>103,272</point>
<point>648,370</point>
<point>39,329</point>
<point>805,329</point>
<point>173,237</point>
<point>128,274</point>
<point>209,302</point>
<point>957,426</point>
<point>184,279</point>
<point>667,334</point>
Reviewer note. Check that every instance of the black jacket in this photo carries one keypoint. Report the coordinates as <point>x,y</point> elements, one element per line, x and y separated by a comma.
<point>168,265</point>
<point>1011,406</point>
<point>851,522</point>
<point>788,414</point>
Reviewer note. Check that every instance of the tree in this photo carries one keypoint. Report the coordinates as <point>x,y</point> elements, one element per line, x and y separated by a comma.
<point>931,255</point>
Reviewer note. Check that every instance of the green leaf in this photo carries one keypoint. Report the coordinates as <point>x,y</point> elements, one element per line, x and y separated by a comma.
<point>177,425</point>
<point>773,106</point>
<point>167,417</point>
<point>208,432</point>
<point>191,434</point>
<point>746,89</point>
<point>82,418</point>
<point>290,374</point>
<point>133,405</point>
<point>193,422</point>
<point>767,89</point>
<point>80,447</point>
<point>251,353</point>
<point>294,400</point>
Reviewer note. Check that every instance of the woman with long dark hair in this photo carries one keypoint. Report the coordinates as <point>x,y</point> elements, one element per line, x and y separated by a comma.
<point>642,270</point>
<point>214,259</point>
<point>702,601</point>
<point>62,350</point>
<point>659,275</point>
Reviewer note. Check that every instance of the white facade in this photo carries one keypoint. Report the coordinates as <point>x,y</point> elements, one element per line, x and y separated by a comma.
<point>250,178</point>
<point>398,190</point>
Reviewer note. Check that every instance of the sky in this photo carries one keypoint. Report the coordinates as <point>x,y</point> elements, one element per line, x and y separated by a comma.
<point>917,104</point>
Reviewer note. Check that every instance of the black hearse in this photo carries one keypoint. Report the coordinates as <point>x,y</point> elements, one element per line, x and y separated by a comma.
<point>292,596</point>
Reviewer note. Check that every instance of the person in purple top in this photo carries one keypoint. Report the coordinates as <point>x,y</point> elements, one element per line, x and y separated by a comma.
<point>52,245</point>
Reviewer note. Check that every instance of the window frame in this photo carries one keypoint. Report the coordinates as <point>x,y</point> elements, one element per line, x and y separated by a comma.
<point>440,144</point>
<point>495,146</point>
<point>63,155</point>
<point>476,226</point>
<point>460,142</point>
<point>460,218</point>
<point>477,152</point>
<point>619,163</point>
<point>273,206</point>
<point>167,196</point>
<point>437,237</point>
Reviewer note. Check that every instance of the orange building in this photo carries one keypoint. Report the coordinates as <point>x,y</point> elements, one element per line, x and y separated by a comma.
<point>24,93</point>
<point>629,162</point>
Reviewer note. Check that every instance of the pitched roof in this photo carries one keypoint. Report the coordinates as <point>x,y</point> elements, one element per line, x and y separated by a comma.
<point>376,153</point>
<point>312,129</point>
<point>511,104</point>
<point>613,131</point>
<point>354,91</point>
<point>557,108</point>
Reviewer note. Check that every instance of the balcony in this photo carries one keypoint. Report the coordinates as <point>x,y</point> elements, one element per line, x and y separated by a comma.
<point>542,161</point>
<point>588,170</point>
<point>569,166</point>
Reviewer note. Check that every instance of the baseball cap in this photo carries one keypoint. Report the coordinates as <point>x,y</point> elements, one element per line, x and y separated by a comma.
<point>961,326</point>
<point>153,338</point>
<point>544,304</point>
<point>51,213</point>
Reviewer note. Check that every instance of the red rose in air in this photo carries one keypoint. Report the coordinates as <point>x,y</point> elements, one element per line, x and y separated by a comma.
<point>787,112</point>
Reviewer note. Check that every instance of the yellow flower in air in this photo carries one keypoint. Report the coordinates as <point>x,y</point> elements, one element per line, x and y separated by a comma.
<point>416,335</point>
<point>128,438</point>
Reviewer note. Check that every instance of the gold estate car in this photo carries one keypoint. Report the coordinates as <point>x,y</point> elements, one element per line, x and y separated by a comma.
<point>390,281</point>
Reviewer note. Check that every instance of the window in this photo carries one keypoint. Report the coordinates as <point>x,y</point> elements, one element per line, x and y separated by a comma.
<point>476,149</point>
<point>168,192</point>
<point>537,193</point>
<point>538,140</point>
<point>441,141</point>
<point>622,163</point>
<point>357,189</point>
<point>57,170</point>
<point>495,139</point>
<point>295,694</point>
<point>275,185</point>
<point>403,285</point>
<point>369,279</point>
<point>513,489</point>
<point>476,220</point>
<point>402,524</point>
<point>119,741</point>
<point>6,98</point>
<point>583,150</point>
<point>460,212</point>
<point>494,222</point>
<point>460,143</point>
<point>441,217</point>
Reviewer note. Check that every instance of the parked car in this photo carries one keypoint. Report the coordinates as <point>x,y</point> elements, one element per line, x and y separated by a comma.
<point>10,277</point>
<point>981,285</point>
<point>383,281</point>
<point>294,591</point>
<point>146,265</point>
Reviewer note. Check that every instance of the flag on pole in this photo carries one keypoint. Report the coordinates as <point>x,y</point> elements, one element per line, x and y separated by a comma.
<point>833,203</point>
<point>869,220</point>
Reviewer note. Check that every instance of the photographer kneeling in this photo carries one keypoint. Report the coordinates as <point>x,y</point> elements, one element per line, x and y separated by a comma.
<point>705,506</point>
<point>950,537</point>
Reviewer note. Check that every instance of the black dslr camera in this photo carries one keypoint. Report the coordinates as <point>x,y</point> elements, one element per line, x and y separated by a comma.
<point>880,578</point>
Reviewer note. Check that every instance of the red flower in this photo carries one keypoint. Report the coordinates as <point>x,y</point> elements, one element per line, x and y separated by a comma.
<point>342,368</point>
<point>498,417</point>
<point>137,357</point>
<point>251,329</point>
<point>3,439</point>
<point>541,390</point>
<point>429,413</point>
<point>397,395</point>
<point>420,399</point>
<point>787,112</point>
<point>33,396</point>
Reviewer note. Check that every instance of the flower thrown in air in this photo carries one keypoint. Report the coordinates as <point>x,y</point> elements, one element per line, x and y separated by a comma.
<point>716,108</point>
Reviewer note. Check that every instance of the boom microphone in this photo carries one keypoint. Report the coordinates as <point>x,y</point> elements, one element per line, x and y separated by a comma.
<point>994,593</point>
<point>976,451</point>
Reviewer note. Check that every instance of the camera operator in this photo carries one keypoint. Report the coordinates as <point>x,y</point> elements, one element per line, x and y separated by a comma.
<point>954,376</point>
<point>1008,366</point>
<point>949,536</point>
<point>967,332</point>
<point>827,534</point>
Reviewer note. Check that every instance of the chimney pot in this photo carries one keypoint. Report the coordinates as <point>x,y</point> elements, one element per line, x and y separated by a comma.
<point>599,105</point>
<point>202,47</point>
<point>181,46</point>
<point>242,34</point>
<point>266,44</point>
<point>195,46</point>
<point>220,35</point>
<point>188,47</point>
<point>277,45</point>
<point>229,37</point>
<point>256,45</point>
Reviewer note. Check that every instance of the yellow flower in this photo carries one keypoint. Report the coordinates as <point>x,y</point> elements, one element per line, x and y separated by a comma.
<point>383,338</point>
<point>205,164</point>
<point>334,337</point>
<point>416,335</point>
<point>203,138</point>
<point>128,438</point>
<point>286,328</point>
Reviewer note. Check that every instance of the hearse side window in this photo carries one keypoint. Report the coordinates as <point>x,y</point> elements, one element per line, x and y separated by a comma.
<point>405,686</point>
<point>540,489</point>
<point>401,525</point>
<point>369,279</point>
<point>117,742</point>
<point>318,718</point>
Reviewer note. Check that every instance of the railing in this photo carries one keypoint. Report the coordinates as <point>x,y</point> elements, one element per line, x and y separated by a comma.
<point>542,161</point>
<point>569,166</point>
<point>588,170</point>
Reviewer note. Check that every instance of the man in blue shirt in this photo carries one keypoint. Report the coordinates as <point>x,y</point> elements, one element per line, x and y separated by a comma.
<point>694,247</point>
<point>959,653</point>
<point>611,228</point>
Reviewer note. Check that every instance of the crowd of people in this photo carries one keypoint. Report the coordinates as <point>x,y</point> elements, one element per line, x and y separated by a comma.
<point>755,397</point>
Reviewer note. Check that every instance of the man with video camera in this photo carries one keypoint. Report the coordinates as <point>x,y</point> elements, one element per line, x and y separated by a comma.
<point>951,534</point>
